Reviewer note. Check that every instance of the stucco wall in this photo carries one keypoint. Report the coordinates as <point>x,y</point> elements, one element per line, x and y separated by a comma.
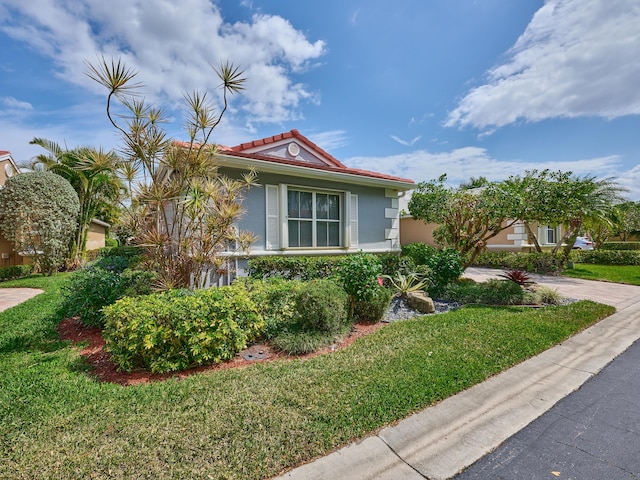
<point>373,208</point>
<point>96,237</point>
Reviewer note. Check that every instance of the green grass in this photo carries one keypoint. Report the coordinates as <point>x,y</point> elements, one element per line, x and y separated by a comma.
<point>249,423</point>
<point>629,274</point>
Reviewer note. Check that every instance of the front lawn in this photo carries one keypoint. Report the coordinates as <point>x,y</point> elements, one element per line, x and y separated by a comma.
<point>629,274</point>
<point>247,423</point>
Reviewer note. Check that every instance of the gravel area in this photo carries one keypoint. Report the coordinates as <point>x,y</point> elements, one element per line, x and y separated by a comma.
<point>400,310</point>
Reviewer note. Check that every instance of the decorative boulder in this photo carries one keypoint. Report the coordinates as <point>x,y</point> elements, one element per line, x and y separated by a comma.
<point>420,301</point>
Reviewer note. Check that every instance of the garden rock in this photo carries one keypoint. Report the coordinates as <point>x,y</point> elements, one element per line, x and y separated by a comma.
<point>421,302</point>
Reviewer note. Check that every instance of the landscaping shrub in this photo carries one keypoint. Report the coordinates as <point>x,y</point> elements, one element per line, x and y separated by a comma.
<point>177,330</point>
<point>394,263</point>
<point>15,271</point>
<point>294,268</point>
<point>96,286</point>
<point>275,299</point>
<point>546,295</point>
<point>445,265</point>
<point>606,257</point>
<point>491,292</point>
<point>128,251</point>
<point>620,246</point>
<point>373,309</point>
<point>322,305</point>
<point>358,275</point>
<point>545,262</point>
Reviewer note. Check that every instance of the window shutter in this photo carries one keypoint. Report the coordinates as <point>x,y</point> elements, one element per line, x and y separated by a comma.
<point>272,239</point>
<point>353,220</point>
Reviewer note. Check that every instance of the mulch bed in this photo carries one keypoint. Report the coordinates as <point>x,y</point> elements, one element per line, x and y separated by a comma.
<point>103,369</point>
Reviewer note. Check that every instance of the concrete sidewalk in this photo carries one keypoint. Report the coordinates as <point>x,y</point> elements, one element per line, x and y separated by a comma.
<point>442,440</point>
<point>10,297</point>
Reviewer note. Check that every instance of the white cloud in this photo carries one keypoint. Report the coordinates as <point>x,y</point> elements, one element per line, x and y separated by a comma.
<point>172,45</point>
<point>463,163</point>
<point>576,58</point>
<point>330,140</point>
<point>405,142</point>
<point>14,106</point>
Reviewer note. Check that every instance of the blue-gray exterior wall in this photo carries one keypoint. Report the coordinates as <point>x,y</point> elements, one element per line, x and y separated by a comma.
<point>372,205</point>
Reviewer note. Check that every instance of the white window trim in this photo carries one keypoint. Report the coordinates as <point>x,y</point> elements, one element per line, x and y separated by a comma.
<point>277,226</point>
<point>542,234</point>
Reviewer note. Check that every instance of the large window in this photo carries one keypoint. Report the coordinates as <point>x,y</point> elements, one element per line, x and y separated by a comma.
<point>314,219</point>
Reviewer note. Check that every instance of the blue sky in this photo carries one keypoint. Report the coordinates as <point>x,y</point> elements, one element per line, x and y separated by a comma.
<point>413,88</point>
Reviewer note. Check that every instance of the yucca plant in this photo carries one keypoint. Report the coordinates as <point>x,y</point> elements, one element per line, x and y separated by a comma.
<point>404,284</point>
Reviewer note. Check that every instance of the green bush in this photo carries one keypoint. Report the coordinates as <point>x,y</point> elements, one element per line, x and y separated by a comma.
<point>620,246</point>
<point>177,330</point>
<point>110,242</point>
<point>545,262</point>
<point>358,275</point>
<point>394,263</point>
<point>294,268</point>
<point>373,309</point>
<point>322,305</point>
<point>606,257</point>
<point>15,271</point>
<point>491,292</point>
<point>445,265</point>
<point>124,251</point>
<point>275,299</point>
<point>94,287</point>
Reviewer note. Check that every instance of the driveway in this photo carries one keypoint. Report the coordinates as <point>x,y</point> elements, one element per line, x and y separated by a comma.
<point>614,294</point>
<point>10,297</point>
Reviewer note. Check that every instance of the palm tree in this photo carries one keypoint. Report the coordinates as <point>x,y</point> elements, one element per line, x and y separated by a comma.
<point>93,175</point>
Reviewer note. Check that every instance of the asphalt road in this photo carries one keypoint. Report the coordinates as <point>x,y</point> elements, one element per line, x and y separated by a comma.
<point>594,433</point>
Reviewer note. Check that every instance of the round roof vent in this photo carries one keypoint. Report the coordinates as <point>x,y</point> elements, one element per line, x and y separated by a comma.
<point>8,170</point>
<point>293,149</point>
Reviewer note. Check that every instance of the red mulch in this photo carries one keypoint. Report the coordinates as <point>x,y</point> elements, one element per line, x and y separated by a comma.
<point>105,370</point>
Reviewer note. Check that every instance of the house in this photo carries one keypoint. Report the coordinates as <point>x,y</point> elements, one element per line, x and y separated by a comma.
<point>97,232</point>
<point>8,256</point>
<point>309,203</point>
<point>513,239</point>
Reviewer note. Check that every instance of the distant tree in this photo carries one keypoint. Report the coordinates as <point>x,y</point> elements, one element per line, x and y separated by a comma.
<point>561,198</point>
<point>38,213</point>
<point>182,210</point>
<point>627,220</point>
<point>467,217</point>
<point>93,174</point>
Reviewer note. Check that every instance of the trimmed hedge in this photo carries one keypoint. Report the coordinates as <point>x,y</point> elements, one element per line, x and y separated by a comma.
<point>294,268</point>
<point>606,257</point>
<point>15,271</point>
<point>531,262</point>
<point>620,246</point>
<point>180,329</point>
<point>275,299</point>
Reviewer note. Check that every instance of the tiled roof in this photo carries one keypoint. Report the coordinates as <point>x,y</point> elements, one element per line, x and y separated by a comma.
<point>283,136</point>
<point>334,166</point>
<point>337,166</point>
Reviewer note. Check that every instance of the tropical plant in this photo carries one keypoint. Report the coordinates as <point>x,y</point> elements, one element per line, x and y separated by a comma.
<point>93,175</point>
<point>186,210</point>
<point>358,275</point>
<point>467,217</point>
<point>405,284</point>
<point>38,213</point>
<point>518,276</point>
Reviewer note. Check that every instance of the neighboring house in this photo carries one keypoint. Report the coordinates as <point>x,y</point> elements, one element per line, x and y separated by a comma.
<point>309,203</point>
<point>8,256</point>
<point>512,239</point>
